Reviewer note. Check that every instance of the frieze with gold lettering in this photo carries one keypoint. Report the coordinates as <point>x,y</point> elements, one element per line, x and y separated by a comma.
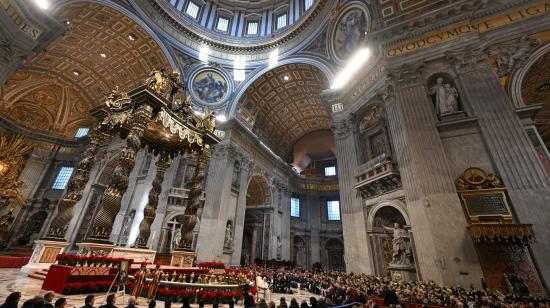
<point>478,26</point>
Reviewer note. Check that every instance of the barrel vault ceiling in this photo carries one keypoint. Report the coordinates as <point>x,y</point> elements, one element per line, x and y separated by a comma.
<point>283,105</point>
<point>101,48</point>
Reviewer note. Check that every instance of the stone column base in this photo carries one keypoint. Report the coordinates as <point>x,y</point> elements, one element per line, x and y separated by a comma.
<point>138,254</point>
<point>183,258</point>
<point>96,249</point>
<point>406,272</point>
<point>44,254</point>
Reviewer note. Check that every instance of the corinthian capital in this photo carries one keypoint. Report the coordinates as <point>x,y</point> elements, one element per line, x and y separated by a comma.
<point>342,128</point>
<point>468,59</point>
<point>406,74</point>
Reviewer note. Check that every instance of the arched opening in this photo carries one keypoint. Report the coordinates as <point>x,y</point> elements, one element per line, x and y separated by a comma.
<point>299,252</point>
<point>380,236</point>
<point>284,109</point>
<point>335,254</point>
<point>257,221</point>
<point>170,236</point>
<point>32,228</point>
<point>258,192</point>
<point>535,89</point>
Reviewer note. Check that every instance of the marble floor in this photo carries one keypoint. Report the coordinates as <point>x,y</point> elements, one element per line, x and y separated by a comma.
<point>12,280</point>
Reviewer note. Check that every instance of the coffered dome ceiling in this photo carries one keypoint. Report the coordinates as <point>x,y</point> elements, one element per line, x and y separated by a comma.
<point>101,48</point>
<point>283,105</point>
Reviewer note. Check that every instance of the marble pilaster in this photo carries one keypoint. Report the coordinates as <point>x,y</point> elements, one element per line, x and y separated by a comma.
<point>357,256</point>
<point>218,190</point>
<point>432,202</point>
<point>240,213</point>
<point>513,154</point>
<point>314,223</point>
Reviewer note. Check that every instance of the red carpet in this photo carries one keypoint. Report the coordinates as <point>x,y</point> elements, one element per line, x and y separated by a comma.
<point>13,262</point>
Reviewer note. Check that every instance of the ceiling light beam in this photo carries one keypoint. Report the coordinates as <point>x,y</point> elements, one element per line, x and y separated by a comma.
<point>351,68</point>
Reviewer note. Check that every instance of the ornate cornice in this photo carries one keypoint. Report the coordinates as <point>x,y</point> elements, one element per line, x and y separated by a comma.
<point>192,34</point>
<point>431,21</point>
<point>41,138</point>
<point>469,59</point>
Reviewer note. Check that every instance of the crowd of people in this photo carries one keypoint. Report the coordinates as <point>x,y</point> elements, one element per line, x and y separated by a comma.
<point>47,301</point>
<point>340,288</point>
<point>333,289</point>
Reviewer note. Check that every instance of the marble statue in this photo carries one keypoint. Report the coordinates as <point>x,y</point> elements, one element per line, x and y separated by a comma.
<point>446,97</point>
<point>279,247</point>
<point>177,238</point>
<point>511,56</point>
<point>228,241</point>
<point>401,248</point>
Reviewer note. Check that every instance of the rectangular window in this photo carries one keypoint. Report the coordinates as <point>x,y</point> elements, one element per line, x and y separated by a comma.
<point>223,24</point>
<point>281,21</point>
<point>330,171</point>
<point>81,132</point>
<point>252,28</point>
<point>308,4</point>
<point>192,9</point>
<point>333,210</point>
<point>62,178</point>
<point>294,207</point>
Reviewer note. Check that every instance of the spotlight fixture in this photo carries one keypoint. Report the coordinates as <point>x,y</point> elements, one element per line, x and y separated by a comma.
<point>43,4</point>
<point>67,22</point>
<point>76,73</point>
<point>353,66</point>
<point>103,55</point>
<point>131,37</point>
<point>286,78</point>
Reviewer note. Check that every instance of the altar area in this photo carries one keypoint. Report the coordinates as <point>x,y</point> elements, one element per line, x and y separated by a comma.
<point>12,280</point>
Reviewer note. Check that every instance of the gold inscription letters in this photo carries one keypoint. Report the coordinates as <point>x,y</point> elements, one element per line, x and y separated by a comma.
<point>481,26</point>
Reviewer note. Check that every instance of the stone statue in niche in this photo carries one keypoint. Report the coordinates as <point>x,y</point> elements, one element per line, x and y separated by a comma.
<point>228,240</point>
<point>446,97</point>
<point>279,247</point>
<point>176,239</point>
<point>236,175</point>
<point>401,247</point>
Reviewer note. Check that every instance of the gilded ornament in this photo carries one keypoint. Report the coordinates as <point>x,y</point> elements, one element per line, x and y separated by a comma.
<point>117,99</point>
<point>12,162</point>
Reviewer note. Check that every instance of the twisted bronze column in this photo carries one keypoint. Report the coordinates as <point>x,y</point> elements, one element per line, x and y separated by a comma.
<point>190,217</point>
<point>110,201</point>
<point>73,194</point>
<point>150,209</point>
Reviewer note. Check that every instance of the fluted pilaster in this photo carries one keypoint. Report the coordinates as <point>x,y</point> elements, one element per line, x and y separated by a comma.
<point>511,150</point>
<point>435,212</point>
<point>357,255</point>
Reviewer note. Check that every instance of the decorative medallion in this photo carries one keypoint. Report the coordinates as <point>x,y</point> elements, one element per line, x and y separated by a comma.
<point>349,33</point>
<point>210,86</point>
<point>474,175</point>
